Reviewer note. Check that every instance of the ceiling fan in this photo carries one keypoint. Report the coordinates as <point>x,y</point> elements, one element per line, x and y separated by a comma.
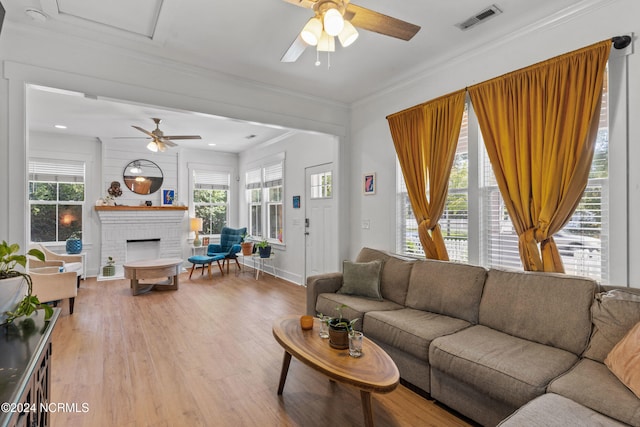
<point>160,141</point>
<point>338,18</point>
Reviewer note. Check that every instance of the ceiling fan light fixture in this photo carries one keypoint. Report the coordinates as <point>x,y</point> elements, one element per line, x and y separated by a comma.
<point>152,146</point>
<point>333,22</point>
<point>327,43</point>
<point>348,35</point>
<point>312,31</point>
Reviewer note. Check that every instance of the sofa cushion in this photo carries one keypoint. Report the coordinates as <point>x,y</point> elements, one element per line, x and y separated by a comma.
<point>447,288</point>
<point>410,330</point>
<point>554,410</point>
<point>548,308</point>
<point>624,360</point>
<point>361,279</point>
<point>614,313</point>
<point>395,273</point>
<point>356,306</point>
<point>591,384</point>
<point>504,367</point>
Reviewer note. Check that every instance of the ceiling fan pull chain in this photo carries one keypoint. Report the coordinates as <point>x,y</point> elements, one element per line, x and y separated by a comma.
<point>318,58</point>
<point>328,60</point>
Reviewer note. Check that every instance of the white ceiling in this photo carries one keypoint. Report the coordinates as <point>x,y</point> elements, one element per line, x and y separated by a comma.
<point>246,38</point>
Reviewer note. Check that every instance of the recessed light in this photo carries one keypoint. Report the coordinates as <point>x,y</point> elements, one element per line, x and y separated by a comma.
<point>60,126</point>
<point>211,145</point>
<point>250,136</point>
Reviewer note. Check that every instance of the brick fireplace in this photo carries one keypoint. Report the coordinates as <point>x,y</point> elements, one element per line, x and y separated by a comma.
<point>165,226</point>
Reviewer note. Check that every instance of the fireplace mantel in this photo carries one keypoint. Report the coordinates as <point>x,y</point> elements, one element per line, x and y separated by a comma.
<point>141,208</point>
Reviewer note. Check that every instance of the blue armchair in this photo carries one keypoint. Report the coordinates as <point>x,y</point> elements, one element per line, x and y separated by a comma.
<point>229,246</point>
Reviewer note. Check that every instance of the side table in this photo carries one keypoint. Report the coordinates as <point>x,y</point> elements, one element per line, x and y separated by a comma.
<point>260,263</point>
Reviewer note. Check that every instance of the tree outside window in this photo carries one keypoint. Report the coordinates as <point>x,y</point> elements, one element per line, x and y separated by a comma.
<point>56,200</point>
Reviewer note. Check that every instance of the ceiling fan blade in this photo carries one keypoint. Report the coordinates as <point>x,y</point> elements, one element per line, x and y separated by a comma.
<point>167,142</point>
<point>144,131</point>
<point>308,4</point>
<point>165,137</point>
<point>377,22</point>
<point>295,50</point>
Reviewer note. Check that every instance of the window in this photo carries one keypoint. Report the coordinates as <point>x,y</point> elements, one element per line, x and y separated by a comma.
<point>211,199</point>
<point>321,185</point>
<point>583,243</point>
<point>265,195</point>
<point>254,200</point>
<point>56,199</point>
<point>454,219</point>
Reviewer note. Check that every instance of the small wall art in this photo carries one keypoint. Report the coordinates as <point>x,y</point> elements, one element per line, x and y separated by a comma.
<point>369,183</point>
<point>168,196</point>
<point>296,202</point>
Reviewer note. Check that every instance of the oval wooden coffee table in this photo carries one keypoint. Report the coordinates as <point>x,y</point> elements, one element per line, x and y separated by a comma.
<point>373,372</point>
<point>153,269</point>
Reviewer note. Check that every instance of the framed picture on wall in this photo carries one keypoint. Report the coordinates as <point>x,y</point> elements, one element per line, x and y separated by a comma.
<point>296,202</point>
<point>168,196</point>
<point>369,183</point>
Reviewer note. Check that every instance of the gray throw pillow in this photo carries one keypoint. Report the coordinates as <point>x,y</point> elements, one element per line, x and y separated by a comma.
<point>361,279</point>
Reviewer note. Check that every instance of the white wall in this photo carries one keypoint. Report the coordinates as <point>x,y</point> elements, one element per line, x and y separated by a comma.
<point>301,150</point>
<point>372,148</point>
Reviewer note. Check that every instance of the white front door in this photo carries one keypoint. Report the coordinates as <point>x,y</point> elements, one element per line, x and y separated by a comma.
<point>319,219</point>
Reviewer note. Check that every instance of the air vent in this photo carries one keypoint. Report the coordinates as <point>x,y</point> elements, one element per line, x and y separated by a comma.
<point>482,16</point>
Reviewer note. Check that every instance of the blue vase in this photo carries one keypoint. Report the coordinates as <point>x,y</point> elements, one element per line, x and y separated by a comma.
<point>74,246</point>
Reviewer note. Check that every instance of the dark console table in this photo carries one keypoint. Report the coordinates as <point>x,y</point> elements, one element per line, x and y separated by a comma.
<point>25,371</point>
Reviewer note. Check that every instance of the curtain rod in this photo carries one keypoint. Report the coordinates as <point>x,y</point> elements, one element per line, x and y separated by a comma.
<point>620,42</point>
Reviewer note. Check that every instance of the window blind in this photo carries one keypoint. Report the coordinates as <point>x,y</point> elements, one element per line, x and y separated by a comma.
<point>211,180</point>
<point>254,179</point>
<point>56,170</point>
<point>273,175</point>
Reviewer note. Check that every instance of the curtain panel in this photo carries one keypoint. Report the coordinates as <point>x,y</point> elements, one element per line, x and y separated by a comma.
<point>425,139</point>
<point>539,125</point>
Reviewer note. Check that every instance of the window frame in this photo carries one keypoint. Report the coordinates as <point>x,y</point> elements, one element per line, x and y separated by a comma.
<point>49,172</point>
<point>272,176</point>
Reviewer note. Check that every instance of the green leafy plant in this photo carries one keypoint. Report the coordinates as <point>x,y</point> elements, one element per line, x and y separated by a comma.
<point>262,243</point>
<point>110,261</point>
<point>339,322</point>
<point>9,260</point>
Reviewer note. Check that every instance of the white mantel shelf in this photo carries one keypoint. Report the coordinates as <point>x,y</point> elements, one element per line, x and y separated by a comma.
<point>141,208</point>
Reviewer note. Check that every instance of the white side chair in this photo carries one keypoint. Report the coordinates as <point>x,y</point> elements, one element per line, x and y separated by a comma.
<point>71,263</point>
<point>49,285</point>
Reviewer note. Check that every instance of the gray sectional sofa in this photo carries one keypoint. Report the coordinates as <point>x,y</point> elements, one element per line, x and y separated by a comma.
<point>487,342</point>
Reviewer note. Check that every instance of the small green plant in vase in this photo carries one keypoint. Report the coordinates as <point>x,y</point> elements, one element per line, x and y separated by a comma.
<point>339,329</point>
<point>110,268</point>
<point>246,244</point>
<point>264,248</point>
<point>15,300</point>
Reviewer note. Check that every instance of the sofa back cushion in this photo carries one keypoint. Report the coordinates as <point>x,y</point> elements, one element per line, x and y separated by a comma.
<point>548,308</point>
<point>447,288</point>
<point>394,279</point>
<point>614,313</point>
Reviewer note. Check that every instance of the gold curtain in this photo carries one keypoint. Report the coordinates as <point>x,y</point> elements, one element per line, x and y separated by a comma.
<point>539,125</point>
<point>425,137</point>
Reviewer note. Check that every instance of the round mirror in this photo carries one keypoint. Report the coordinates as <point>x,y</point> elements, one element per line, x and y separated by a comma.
<point>142,176</point>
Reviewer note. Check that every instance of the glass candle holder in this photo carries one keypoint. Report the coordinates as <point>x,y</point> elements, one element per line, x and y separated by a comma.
<point>306,322</point>
<point>355,344</point>
<point>324,326</point>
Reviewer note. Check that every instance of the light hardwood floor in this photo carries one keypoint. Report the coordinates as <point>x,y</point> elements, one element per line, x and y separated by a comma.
<point>202,356</point>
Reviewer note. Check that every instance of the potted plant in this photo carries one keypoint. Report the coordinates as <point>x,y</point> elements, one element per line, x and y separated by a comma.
<point>339,329</point>
<point>74,243</point>
<point>16,299</point>
<point>110,268</point>
<point>264,248</point>
<point>246,245</point>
